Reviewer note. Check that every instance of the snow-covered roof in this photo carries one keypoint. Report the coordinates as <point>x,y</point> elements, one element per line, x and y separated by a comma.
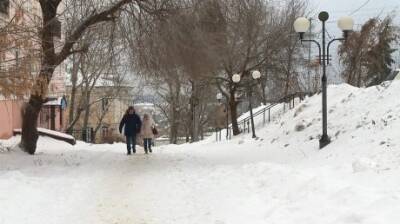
<point>103,82</point>
<point>144,105</point>
<point>59,101</point>
<point>54,102</point>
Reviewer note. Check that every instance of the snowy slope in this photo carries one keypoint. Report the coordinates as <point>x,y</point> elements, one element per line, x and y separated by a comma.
<point>282,178</point>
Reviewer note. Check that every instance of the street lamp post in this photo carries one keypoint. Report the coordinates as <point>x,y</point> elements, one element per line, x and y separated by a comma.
<point>256,75</point>
<point>301,25</point>
<point>219,98</point>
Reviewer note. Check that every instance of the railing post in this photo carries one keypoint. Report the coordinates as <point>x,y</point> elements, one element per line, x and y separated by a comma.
<point>248,126</point>
<point>290,102</point>
<point>269,115</point>
<point>294,98</point>
<point>216,134</point>
<point>263,116</point>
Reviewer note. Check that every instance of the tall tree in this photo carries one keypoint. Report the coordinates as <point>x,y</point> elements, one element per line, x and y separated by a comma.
<point>367,56</point>
<point>380,57</point>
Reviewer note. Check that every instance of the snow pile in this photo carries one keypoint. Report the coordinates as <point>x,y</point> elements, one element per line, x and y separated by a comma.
<point>281,178</point>
<point>3,148</point>
<point>51,133</point>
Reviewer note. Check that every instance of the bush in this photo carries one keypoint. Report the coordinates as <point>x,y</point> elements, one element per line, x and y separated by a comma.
<point>299,127</point>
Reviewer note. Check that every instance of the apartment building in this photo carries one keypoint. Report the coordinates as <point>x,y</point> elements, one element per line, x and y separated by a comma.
<point>20,57</point>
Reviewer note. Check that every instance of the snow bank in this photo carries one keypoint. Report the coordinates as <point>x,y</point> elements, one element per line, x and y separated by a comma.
<point>52,134</point>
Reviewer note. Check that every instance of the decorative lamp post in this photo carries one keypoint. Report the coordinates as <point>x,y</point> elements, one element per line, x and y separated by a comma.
<point>219,98</point>
<point>256,75</point>
<point>301,25</point>
<point>236,78</point>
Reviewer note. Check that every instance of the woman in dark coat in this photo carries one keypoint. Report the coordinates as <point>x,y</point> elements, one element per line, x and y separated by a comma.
<point>132,123</point>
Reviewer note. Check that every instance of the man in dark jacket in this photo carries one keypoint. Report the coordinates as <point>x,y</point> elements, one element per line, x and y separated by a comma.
<point>132,123</point>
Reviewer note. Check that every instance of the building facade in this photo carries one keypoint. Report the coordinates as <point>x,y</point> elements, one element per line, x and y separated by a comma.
<point>20,56</point>
<point>108,104</point>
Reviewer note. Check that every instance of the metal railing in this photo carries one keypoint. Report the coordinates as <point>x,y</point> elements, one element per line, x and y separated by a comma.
<point>85,135</point>
<point>244,123</point>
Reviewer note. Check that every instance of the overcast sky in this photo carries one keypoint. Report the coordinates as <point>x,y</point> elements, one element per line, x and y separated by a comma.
<point>360,10</point>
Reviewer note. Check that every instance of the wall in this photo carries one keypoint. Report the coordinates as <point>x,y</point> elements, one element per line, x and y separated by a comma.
<point>10,117</point>
<point>44,120</point>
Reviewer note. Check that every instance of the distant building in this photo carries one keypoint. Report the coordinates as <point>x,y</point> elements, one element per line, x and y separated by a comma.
<point>108,105</point>
<point>145,108</point>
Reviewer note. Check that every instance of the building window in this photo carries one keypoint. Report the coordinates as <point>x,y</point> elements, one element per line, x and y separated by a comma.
<point>104,131</point>
<point>4,6</point>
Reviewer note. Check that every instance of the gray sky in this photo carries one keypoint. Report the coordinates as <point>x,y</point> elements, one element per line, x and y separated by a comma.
<point>360,10</point>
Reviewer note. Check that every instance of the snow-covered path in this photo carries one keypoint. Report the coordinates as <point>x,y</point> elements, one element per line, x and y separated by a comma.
<point>282,178</point>
<point>106,186</point>
<point>208,183</point>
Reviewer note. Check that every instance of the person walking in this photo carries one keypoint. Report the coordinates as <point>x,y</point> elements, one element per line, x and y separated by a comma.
<point>147,132</point>
<point>132,125</point>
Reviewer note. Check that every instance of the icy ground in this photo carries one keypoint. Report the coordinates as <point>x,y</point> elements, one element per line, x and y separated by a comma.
<point>282,178</point>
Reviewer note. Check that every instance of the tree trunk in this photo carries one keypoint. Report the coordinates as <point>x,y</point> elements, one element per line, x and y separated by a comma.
<point>187,134</point>
<point>87,111</point>
<point>29,124</point>
<point>173,137</point>
<point>29,135</point>
<point>174,124</point>
<point>202,133</point>
<point>233,109</point>
<point>100,120</point>
<point>74,78</point>
<point>359,74</point>
<point>264,96</point>
<point>191,119</point>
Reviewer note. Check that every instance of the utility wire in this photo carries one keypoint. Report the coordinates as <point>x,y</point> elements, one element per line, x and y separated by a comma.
<point>359,8</point>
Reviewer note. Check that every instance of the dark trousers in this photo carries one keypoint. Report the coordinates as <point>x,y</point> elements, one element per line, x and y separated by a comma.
<point>147,144</point>
<point>131,143</point>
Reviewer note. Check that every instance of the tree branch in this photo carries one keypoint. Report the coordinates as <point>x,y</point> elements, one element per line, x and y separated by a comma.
<point>103,16</point>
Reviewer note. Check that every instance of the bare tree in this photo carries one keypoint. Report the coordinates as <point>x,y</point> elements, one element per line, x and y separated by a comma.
<point>18,52</point>
<point>215,39</point>
<point>54,55</point>
<point>253,36</point>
